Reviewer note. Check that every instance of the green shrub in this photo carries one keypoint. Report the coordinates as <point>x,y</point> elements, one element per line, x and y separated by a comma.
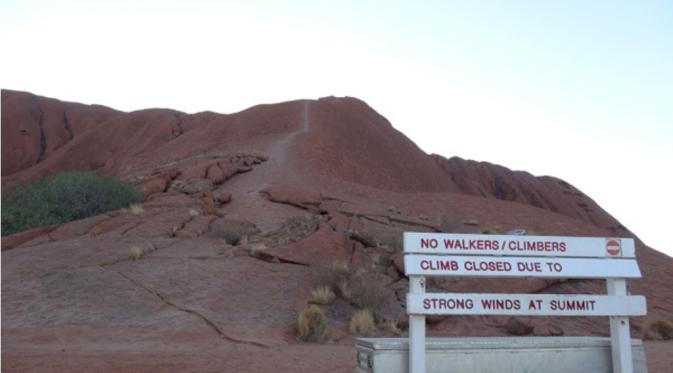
<point>62,198</point>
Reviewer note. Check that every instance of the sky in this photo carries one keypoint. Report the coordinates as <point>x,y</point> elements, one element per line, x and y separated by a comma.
<point>580,90</point>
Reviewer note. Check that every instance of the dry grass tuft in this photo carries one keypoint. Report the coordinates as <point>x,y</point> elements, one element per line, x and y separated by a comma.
<point>659,330</point>
<point>362,323</point>
<point>322,295</point>
<point>339,268</point>
<point>358,285</point>
<point>312,325</point>
<point>95,231</point>
<point>136,209</point>
<point>136,252</point>
<point>344,289</point>
<point>393,328</point>
<point>471,222</point>
<point>257,249</point>
<point>335,274</point>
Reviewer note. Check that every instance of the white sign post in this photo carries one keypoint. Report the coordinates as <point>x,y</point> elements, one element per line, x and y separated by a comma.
<point>470,255</point>
<point>417,329</point>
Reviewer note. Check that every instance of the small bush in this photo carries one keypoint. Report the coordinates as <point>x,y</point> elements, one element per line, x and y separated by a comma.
<point>231,237</point>
<point>359,285</point>
<point>312,325</point>
<point>62,198</point>
<point>322,295</point>
<point>256,250</point>
<point>471,222</point>
<point>335,274</point>
<point>344,289</point>
<point>659,330</point>
<point>362,323</point>
<point>393,328</point>
<point>136,209</point>
<point>368,291</point>
<point>234,232</point>
<point>136,252</point>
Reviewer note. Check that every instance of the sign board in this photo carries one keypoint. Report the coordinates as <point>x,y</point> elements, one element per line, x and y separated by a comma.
<point>525,304</point>
<point>485,266</point>
<point>470,255</point>
<point>480,244</point>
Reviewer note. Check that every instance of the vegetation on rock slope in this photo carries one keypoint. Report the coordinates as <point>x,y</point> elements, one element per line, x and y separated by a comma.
<point>62,198</point>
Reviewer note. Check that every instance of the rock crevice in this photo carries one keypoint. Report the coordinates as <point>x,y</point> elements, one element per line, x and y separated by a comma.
<point>190,311</point>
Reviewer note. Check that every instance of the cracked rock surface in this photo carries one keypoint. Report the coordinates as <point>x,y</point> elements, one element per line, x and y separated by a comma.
<point>244,215</point>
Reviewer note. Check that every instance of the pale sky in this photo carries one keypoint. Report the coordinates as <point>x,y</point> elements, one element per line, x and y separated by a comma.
<point>581,90</point>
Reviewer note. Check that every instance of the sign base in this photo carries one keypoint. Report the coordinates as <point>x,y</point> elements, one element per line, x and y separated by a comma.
<point>496,354</point>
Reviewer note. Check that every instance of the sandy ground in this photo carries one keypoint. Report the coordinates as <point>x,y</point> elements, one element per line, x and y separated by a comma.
<point>659,356</point>
<point>232,358</point>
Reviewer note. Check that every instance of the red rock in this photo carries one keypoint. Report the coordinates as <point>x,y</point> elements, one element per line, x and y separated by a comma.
<point>115,225</point>
<point>555,330</point>
<point>392,272</point>
<point>228,169</point>
<point>170,200</point>
<point>170,174</point>
<point>339,222</point>
<point>466,285</point>
<point>293,195</point>
<point>79,228</point>
<point>323,248</point>
<point>215,174</point>
<point>493,181</point>
<point>222,196</point>
<point>202,299</point>
<point>153,186</point>
<point>194,169</point>
<point>11,241</point>
<point>359,257</point>
<point>193,186</point>
<point>515,326</point>
<point>195,227</point>
<point>207,203</point>
<point>41,126</point>
<point>398,262</point>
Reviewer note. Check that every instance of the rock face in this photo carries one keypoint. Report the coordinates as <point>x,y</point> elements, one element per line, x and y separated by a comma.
<point>247,213</point>
<point>493,181</point>
<point>37,127</point>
